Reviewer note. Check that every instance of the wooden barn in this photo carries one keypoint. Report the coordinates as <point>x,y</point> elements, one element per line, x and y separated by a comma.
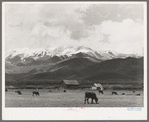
<point>69,84</point>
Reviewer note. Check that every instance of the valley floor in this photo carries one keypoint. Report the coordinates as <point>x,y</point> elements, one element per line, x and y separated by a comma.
<point>73,98</point>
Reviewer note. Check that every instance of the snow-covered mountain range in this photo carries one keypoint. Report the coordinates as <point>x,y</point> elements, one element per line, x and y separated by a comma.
<point>30,56</point>
<point>71,63</point>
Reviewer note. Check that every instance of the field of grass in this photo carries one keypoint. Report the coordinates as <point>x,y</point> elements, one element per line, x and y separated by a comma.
<point>72,98</point>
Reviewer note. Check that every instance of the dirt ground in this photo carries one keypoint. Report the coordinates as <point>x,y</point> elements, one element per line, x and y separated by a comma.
<point>72,98</point>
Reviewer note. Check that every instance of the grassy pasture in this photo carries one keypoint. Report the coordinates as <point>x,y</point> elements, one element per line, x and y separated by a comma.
<point>72,98</point>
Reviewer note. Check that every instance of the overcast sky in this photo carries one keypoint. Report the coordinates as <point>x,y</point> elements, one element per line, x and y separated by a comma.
<point>115,27</point>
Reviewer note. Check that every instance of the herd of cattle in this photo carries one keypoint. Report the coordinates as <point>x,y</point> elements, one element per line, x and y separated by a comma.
<point>34,93</point>
<point>93,96</point>
<point>88,95</point>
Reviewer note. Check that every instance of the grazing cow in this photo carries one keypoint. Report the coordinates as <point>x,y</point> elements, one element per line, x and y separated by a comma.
<point>138,94</point>
<point>18,92</point>
<point>114,93</point>
<point>91,95</point>
<point>50,91</point>
<point>123,93</point>
<point>35,93</point>
<point>6,90</point>
<point>100,92</point>
<point>64,90</point>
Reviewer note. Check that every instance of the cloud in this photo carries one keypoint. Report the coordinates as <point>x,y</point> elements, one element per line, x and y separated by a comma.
<point>125,31</point>
<point>97,13</point>
<point>126,36</point>
<point>29,15</point>
<point>115,27</point>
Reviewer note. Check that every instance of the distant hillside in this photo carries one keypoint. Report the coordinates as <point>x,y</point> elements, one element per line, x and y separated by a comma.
<point>72,64</point>
<point>128,68</point>
<point>107,76</point>
<point>58,74</point>
<point>13,69</point>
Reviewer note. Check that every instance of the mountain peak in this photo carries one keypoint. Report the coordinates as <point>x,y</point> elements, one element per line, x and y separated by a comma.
<point>62,52</point>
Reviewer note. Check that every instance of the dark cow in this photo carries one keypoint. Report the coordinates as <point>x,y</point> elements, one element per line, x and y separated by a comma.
<point>50,91</point>
<point>35,93</point>
<point>64,90</point>
<point>6,90</point>
<point>91,95</point>
<point>138,94</point>
<point>133,91</point>
<point>114,93</point>
<point>123,93</point>
<point>18,92</point>
<point>100,92</point>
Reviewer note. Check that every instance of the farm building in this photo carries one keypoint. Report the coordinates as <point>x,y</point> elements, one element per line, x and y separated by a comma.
<point>69,84</point>
<point>97,86</point>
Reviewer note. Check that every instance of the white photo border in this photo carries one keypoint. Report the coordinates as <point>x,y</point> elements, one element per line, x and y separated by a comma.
<point>74,113</point>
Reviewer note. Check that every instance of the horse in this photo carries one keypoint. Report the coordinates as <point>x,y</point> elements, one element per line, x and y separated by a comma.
<point>91,95</point>
<point>35,93</point>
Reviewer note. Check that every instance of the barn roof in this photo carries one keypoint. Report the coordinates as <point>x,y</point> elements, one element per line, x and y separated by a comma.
<point>71,82</point>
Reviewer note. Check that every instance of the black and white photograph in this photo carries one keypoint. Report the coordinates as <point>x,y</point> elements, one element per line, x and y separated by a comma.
<point>74,57</point>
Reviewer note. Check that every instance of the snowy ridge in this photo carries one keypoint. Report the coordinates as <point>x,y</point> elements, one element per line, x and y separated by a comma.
<point>36,53</point>
<point>63,51</point>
